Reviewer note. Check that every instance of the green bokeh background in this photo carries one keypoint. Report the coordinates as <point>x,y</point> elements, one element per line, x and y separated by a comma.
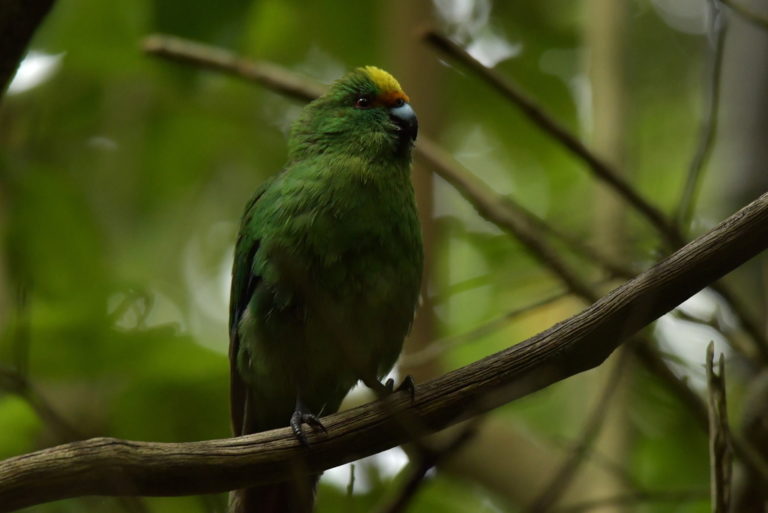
<point>123,177</point>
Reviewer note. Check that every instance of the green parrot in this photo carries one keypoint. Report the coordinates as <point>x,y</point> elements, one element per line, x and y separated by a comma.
<point>327,270</point>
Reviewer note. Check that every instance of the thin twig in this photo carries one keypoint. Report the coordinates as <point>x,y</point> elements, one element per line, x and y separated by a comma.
<point>759,349</point>
<point>426,461</point>
<point>274,78</point>
<point>698,408</point>
<point>618,470</point>
<point>351,482</point>
<point>558,485</point>
<point>719,447</point>
<point>15,383</point>
<point>748,14</point>
<point>495,209</point>
<point>438,347</point>
<point>610,264</point>
<point>460,286</point>
<point>714,324</point>
<point>709,126</point>
<point>546,122</point>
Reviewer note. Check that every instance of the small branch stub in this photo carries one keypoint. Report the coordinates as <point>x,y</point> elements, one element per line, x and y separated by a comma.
<point>719,440</point>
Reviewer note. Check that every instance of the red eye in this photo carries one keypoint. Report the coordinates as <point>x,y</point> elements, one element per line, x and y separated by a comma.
<point>399,103</point>
<point>363,102</point>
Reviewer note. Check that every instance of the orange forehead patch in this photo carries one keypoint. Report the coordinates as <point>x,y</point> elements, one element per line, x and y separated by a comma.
<point>389,88</point>
<point>389,99</point>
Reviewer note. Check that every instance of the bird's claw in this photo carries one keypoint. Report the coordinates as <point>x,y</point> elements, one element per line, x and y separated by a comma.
<point>407,385</point>
<point>300,417</point>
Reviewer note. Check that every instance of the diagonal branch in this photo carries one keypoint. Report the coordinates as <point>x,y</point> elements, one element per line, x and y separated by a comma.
<point>15,383</point>
<point>543,120</point>
<point>502,211</point>
<point>602,171</point>
<point>274,78</point>
<point>423,464</point>
<point>514,216</point>
<point>96,466</point>
<point>493,207</point>
<point>559,484</point>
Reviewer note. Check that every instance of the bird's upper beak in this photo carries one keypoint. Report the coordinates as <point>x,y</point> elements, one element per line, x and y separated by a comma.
<point>405,118</point>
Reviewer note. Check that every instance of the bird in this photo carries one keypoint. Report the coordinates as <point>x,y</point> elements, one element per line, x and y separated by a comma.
<point>327,270</point>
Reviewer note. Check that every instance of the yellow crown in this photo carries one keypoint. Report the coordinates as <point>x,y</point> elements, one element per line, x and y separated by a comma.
<point>389,87</point>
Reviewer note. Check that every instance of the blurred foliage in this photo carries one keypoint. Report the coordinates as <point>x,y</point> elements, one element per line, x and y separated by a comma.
<point>123,177</point>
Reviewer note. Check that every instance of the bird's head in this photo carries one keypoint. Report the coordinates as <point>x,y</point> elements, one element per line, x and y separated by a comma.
<point>365,113</point>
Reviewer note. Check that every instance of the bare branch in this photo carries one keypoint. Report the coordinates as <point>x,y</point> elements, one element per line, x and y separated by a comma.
<point>709,125</point>
<point>555,489</point>
<point>499,210</point>
<point>427,460</point>
<point>440,346</point>
<point>15,383</point>
<point>274,78</point>
<point>106,466</point>
<point>491,206</point>
<point>513,216</point>
<point>719,447</point>
<point>600,169</point>
<point>495,209</point>
<point>546,122</point>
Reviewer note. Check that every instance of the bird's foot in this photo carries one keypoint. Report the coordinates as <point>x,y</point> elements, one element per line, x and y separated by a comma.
<point>407,385</point>
<point>302,415</point>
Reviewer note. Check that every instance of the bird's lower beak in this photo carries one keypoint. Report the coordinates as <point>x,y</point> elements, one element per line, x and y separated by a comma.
<point>405,118</point>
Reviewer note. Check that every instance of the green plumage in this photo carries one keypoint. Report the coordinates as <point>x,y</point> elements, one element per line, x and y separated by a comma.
<point>328,261</point>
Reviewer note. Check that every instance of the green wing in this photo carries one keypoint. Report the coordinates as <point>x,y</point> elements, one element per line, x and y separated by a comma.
<point>244,283</point>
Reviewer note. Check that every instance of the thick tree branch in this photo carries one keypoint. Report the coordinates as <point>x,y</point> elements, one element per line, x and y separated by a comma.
<point>600,170</point>
<point>490,205</point>
<point>106,466</point>
<point>497,209</point>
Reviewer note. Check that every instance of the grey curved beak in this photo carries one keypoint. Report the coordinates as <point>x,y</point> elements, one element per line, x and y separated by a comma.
<point>405,118</point>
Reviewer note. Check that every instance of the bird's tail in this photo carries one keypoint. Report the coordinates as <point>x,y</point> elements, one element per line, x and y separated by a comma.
<point>296,496</point>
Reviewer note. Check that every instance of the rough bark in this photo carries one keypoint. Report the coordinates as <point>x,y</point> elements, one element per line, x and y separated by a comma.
<point>107,466</point>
